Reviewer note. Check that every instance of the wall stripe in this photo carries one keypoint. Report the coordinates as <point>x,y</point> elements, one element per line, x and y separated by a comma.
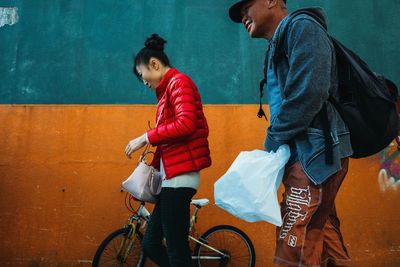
<point>61,167</point>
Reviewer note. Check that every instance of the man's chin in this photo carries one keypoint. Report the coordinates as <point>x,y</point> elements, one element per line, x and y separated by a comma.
<point>254,34</point>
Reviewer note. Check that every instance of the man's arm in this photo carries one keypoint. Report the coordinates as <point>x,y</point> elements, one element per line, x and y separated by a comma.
<point>308,82</point>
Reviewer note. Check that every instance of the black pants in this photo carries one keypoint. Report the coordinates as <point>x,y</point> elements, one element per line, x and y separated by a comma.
<point>170,219</point>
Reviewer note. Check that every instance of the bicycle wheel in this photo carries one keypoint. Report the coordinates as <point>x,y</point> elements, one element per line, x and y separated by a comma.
<point>235,245</point>
<point>120,250</point>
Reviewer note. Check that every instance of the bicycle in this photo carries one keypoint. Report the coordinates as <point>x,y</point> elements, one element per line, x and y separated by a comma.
<point>222,245</point>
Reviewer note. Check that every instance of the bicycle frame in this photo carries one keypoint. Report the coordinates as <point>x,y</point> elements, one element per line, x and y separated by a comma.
<point>193,220</point>
<point>144,214</point>
<point>209,247</point>
<point>222,244</point>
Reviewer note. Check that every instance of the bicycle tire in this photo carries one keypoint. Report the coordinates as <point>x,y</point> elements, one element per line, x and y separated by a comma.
<point>107,254</point>
<point>230,240</point>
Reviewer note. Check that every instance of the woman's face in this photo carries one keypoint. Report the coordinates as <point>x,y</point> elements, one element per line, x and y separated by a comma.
<point>151,74</point>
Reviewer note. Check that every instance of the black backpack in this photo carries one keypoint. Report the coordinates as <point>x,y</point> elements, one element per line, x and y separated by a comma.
<point>367,102</point>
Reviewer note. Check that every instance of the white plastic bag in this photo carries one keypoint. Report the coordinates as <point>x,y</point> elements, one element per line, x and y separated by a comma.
<point>248,189</point>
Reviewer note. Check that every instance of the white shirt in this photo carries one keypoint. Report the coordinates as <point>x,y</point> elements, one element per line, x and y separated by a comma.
<point>189,179</point>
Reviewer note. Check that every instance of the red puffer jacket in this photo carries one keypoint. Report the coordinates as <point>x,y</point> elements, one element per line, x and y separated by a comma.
<point>182,131</point>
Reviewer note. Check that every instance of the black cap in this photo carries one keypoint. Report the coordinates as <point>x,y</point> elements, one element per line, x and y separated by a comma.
<point>235,10</point>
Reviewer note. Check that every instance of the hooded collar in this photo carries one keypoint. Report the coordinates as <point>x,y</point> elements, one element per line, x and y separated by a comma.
<point>162,86</point>
<point>316,13</point>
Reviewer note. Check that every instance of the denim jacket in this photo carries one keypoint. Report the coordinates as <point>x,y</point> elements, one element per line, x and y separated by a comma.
<point>306,70</point>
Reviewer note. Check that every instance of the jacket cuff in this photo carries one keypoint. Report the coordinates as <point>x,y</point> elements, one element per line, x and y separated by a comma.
<point>151,136</point>
<point>271,144</point>
<point>156,160</point>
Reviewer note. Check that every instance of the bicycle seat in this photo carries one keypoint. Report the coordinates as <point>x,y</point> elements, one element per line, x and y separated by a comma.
<point>200,202</point>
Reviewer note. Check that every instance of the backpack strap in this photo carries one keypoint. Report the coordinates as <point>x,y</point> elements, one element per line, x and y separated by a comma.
<point>263,82</point>
<point>261,112</point>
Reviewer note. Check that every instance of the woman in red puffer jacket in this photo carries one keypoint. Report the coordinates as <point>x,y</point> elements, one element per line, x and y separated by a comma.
<point>182,151</point>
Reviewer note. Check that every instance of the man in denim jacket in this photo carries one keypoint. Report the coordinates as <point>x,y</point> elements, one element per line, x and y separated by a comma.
<point>301,73</point>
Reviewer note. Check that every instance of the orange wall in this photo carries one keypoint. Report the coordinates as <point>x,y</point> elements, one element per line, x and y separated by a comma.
<point>61,167</point>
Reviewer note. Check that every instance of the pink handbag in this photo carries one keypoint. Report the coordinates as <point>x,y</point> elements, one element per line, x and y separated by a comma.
<point>145,181</point>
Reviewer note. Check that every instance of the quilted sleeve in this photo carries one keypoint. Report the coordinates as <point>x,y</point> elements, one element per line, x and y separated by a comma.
<point>183,123</point>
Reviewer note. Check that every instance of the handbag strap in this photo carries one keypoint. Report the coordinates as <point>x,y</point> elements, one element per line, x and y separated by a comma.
<point>144,154</point>
<point>146,150</point>
<point>161,111</point>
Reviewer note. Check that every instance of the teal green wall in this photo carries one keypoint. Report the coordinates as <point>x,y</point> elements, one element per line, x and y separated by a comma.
<point>74,51</point>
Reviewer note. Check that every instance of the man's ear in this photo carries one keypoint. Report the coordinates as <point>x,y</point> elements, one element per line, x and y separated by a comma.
<point>272,3</point>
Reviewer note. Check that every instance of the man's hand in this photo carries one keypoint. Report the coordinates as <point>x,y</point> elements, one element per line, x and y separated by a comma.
<point>135,144</point>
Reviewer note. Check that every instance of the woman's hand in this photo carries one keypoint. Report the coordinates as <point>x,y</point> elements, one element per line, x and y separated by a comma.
<point>135,144</point>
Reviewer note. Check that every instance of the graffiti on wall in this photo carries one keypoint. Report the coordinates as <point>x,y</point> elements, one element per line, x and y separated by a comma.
<point>389,173</point>
<point>8,16</point>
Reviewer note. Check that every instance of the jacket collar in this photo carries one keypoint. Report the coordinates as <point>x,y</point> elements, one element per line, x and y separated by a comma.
<point>316,13</point>
<point>162,86</point>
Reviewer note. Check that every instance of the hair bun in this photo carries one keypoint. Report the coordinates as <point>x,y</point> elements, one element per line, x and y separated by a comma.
<point>155,42</point>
